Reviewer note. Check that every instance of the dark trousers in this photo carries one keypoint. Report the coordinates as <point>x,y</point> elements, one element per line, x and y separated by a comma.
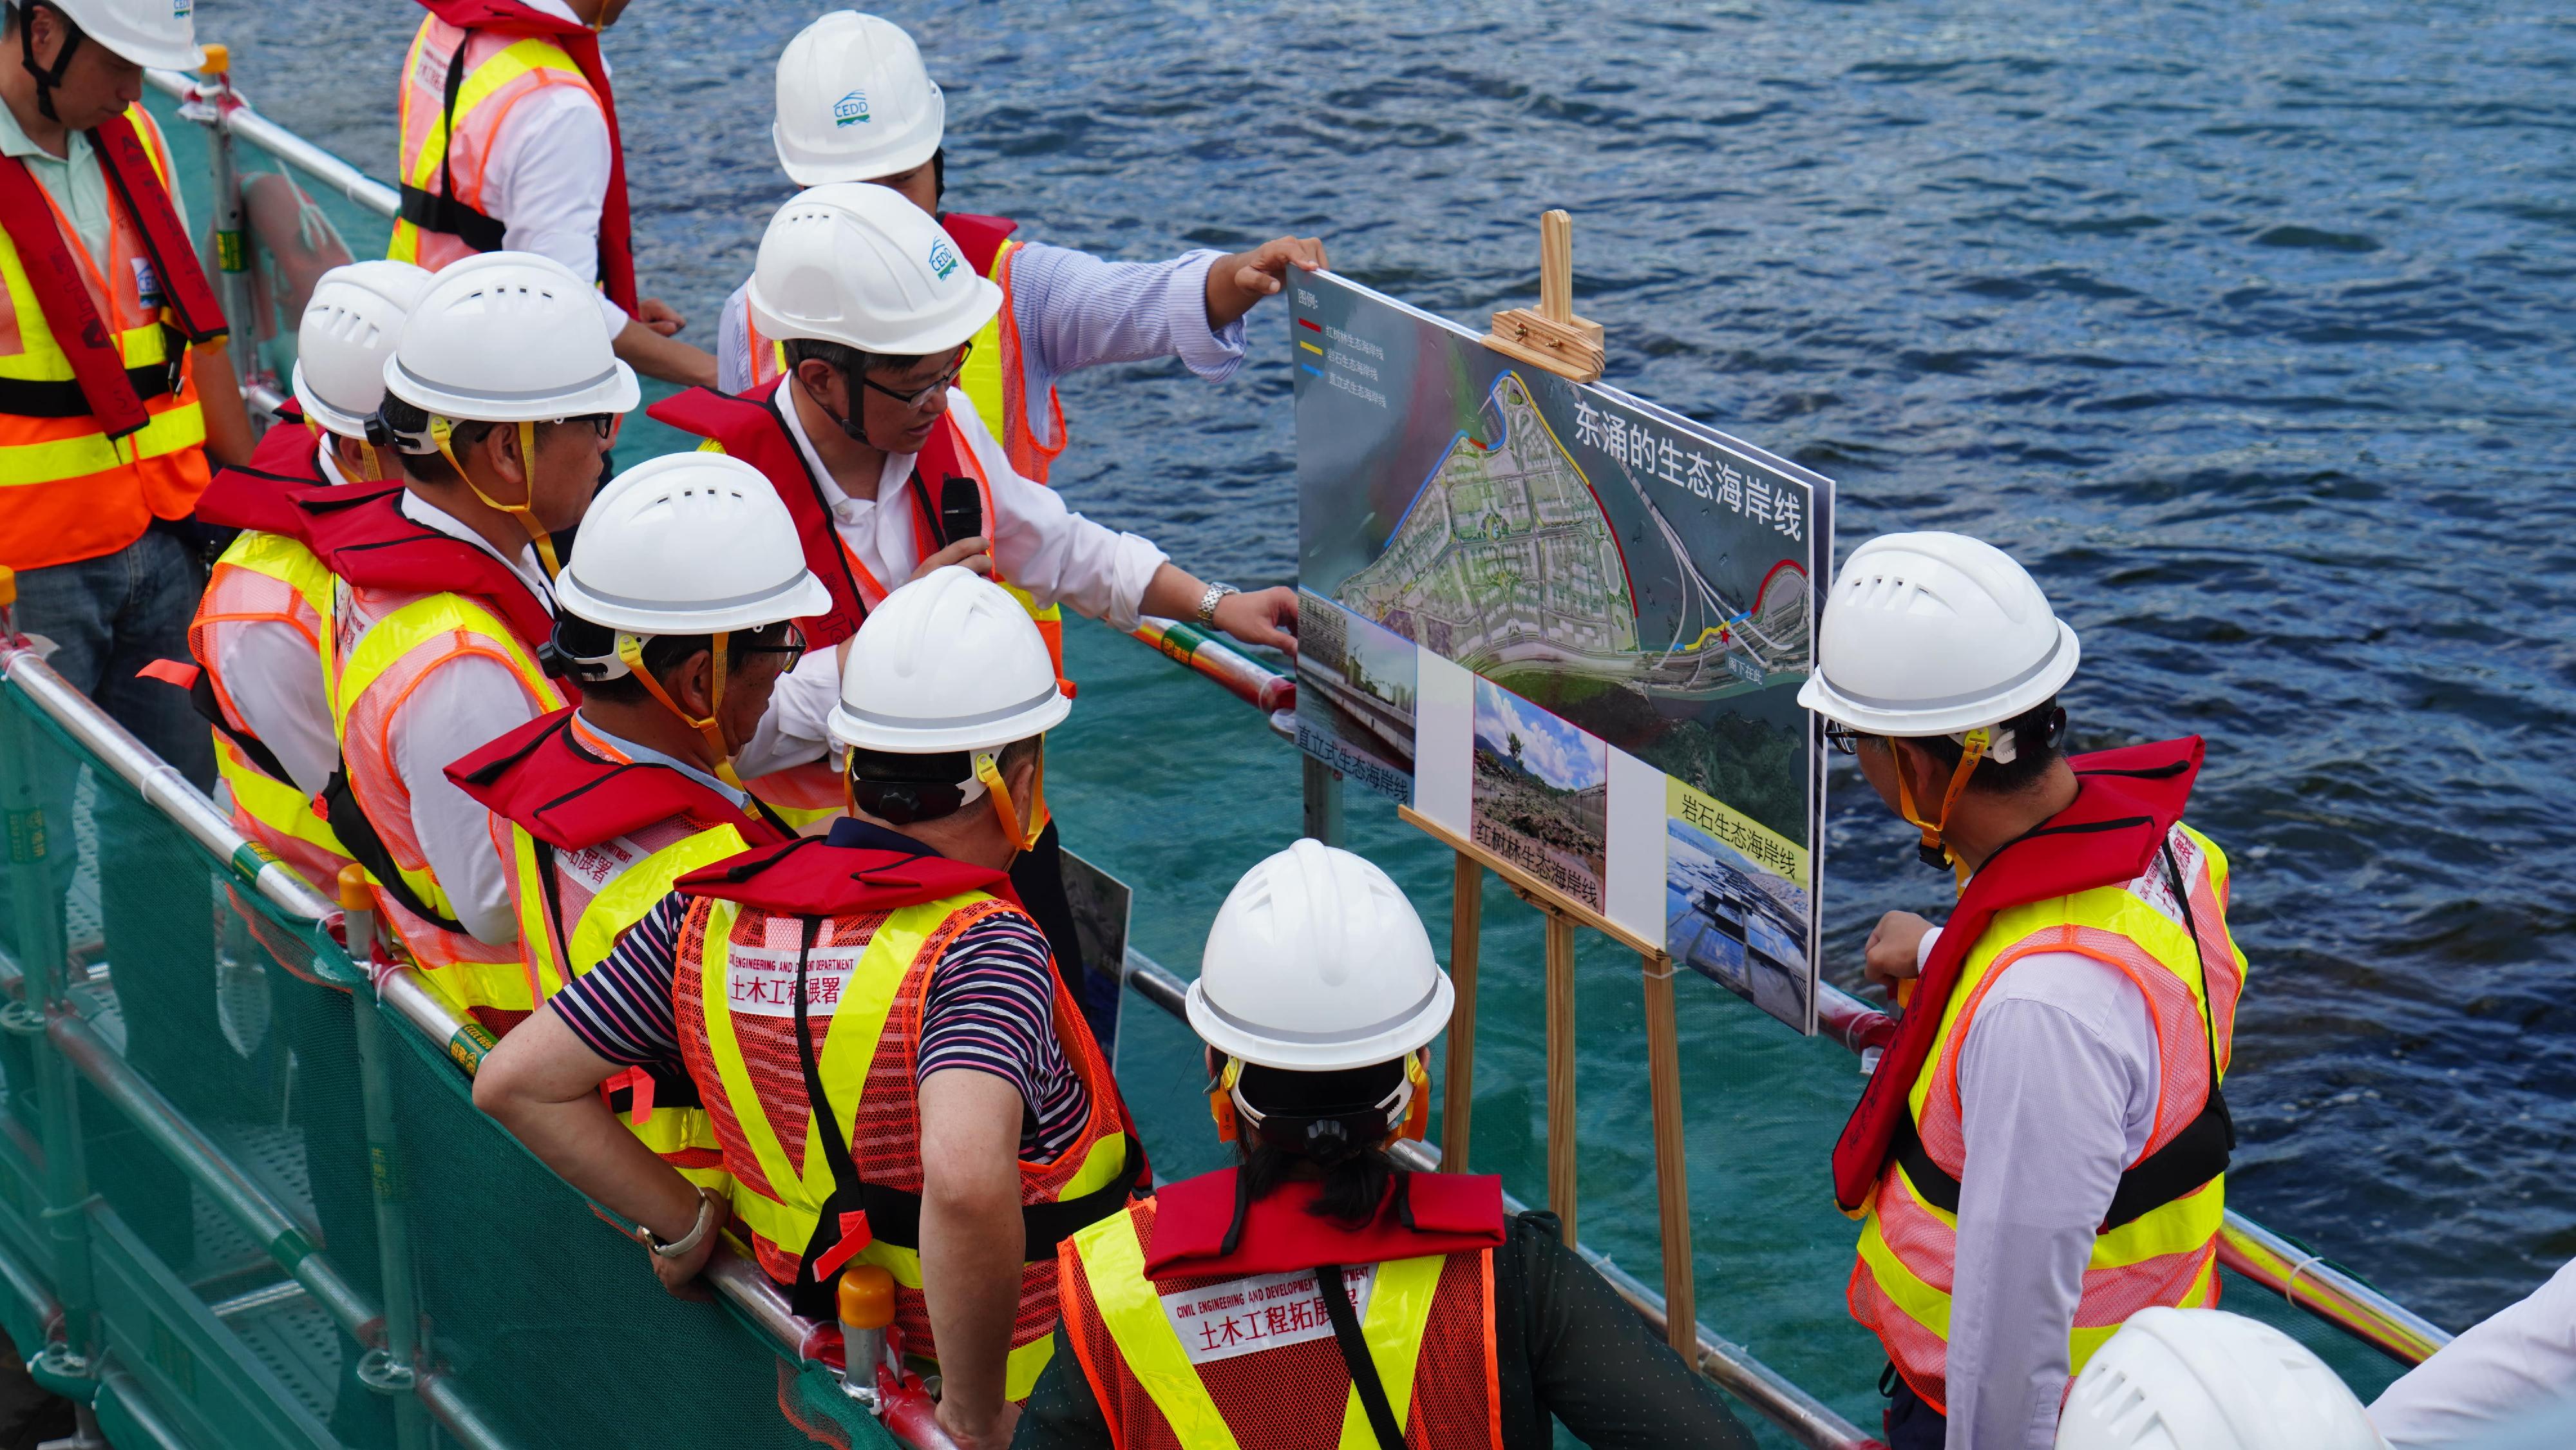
<point>1038,876</point>
<point>1910,1424</point>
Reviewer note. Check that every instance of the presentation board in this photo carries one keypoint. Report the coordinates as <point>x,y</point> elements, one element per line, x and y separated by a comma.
<point>1569,625</point>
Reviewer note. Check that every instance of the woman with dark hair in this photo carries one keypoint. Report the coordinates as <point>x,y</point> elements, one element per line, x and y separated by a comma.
<point>1316,1295</point>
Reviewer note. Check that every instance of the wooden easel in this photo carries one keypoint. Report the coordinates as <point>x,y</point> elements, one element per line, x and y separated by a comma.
<point>1555,339</point>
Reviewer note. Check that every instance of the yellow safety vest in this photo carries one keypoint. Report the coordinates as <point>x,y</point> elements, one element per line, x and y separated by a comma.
<point>858,1022</point>
<point>68,491</point>
<point>2165,1256</point>
<point>497,77</point>
<point>277,805</point>
<point>1131,1309</point>
<point>465,625</point>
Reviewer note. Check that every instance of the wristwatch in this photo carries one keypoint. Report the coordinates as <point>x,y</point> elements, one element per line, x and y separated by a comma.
<point>1208,602</point>
<point>680,1247</point>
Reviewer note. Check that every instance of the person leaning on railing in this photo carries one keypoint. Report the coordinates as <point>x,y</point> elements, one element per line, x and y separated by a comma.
<point>2042,1149</point>
<point>876,449</point>
<point>115,386</point>
<point>876,998</point>
<point>502,398</point>
<point>675,616</point>
<point>1316,1295</point>
<point>510,143</point>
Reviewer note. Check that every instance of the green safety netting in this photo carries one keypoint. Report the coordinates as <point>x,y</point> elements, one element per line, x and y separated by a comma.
<point>211,1014</point>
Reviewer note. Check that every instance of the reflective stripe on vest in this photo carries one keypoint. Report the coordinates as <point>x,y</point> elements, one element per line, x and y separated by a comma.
<point>894,955</point>
<point>393,656</point>
<point>269,578</point>
<point>1900,1284</point>
<point>500,72</point>
<point>67,491</point>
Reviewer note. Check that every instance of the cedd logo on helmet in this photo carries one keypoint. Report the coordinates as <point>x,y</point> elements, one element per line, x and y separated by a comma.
<point>851,109</point>
<point>943,260</point>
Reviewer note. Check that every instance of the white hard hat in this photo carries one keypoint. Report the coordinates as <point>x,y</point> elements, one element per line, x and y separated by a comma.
<point>1317,963</point>
<point>1932,634</point>
<point>349,329</point>
<point>159,33</point>
<point>948,662</point>
<point>859,265</point>
<point>854,103</point>
<point>2204,1379</point>
<point>507,337</point>
<point>689,543</point>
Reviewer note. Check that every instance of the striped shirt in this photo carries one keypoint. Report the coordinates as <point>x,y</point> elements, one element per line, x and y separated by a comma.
<point>990,1008</point>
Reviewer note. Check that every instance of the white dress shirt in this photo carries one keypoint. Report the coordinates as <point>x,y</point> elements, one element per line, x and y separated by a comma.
<point>546,181</point>
<point>2057,1094</point>
<point>2504,1370</point>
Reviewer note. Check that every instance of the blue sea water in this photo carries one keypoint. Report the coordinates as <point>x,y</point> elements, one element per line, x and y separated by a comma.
<point>2245,327</point>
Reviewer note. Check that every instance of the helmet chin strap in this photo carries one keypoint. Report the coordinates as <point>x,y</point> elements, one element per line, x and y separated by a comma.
<point>441,430</point>
<point>1023,832</point>
<point>630,648</point>
<point>46,80</point>
<point>1934,850</point>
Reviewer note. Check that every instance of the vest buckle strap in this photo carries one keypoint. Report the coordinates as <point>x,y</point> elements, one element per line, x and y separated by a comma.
<point>851,1230</point>
<point>432,212</point>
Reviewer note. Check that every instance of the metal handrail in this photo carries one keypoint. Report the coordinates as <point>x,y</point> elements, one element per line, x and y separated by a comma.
<point>159,783</point>
<point>249,125</point>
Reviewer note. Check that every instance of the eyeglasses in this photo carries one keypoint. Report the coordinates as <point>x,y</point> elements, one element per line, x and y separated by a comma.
<point>1842,738</point>
<point>916,399</point>
<point>793,646</point>
<point>603,424</point>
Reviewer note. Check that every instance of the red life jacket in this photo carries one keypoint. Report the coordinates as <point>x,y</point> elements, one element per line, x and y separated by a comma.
<point>1244,1337</point>
<point>536,777</point>
<point>750,428</point>
<point>253,495</point>
<point>364,538</point>
<point>979,237</point>
<point>2128,801</point>
<point>105,390</point>
<point>1428,1213</point>
<point>616,221</point>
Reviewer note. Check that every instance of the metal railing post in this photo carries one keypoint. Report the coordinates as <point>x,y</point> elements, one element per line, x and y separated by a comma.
<point>232,222</point>
<point>1323,801</point>
<point>395,1370</point>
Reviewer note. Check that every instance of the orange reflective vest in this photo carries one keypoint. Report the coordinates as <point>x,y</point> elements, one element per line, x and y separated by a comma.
<point>2165,929</point>
<point>409,601</point>
<point>267,575</point>
<point>100,429</point>
<point>843,942</point>
<point>471,63</point>
<point>995,380</point>
<point>1189,1348</point>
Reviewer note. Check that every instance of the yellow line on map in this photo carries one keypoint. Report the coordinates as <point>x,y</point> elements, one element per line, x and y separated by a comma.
<point>1310,347</point>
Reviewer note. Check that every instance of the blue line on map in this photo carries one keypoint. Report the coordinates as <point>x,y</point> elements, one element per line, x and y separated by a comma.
<point>1310,367</point>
